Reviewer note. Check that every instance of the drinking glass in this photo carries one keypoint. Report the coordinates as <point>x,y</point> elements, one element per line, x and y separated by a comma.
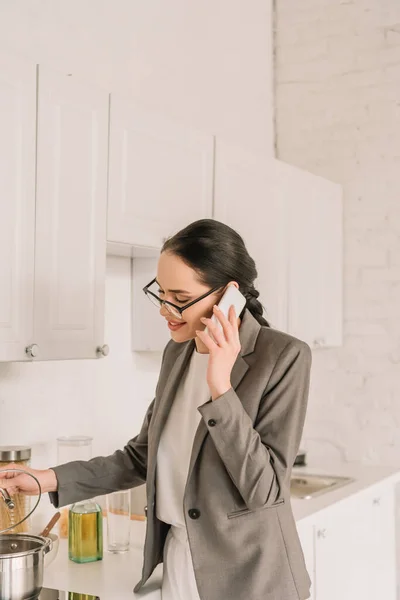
<point>118,506</point>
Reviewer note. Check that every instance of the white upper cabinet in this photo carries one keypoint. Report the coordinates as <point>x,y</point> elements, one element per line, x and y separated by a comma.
<point>149,330</point>
<point>291,222</point>
<point>72,146</point>
<point>244,200</point>
<point>160,176</point>
<point>17,205</point>
<point>315,269</point>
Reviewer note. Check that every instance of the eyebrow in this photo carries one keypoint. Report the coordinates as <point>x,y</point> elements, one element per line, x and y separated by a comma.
<point>175,291</point>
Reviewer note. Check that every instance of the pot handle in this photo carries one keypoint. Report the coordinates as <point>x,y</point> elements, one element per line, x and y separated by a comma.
<point>37,502</point>
<point>48,544</point>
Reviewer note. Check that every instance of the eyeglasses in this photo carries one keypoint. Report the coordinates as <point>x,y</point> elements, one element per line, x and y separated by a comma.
<point>170,306</point>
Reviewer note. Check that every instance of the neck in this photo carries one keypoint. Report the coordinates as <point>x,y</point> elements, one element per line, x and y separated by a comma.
<point>200,347</point>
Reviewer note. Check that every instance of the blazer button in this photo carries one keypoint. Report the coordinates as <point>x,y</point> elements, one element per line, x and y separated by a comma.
<point>212,422</point>
<point>194,513</point>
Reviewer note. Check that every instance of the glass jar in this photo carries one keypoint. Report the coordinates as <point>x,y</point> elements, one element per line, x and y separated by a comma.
<point>74,447</point>
<point>70,448</point>
<point>21,457</point>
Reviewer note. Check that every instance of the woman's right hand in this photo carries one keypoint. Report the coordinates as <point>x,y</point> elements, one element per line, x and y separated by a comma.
<point>15,482</point>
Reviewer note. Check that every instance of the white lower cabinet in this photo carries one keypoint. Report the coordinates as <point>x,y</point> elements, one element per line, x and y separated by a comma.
<point>305,529</point>
<point>381,532</point>
<point>340,552</point>
<point>350,547</point>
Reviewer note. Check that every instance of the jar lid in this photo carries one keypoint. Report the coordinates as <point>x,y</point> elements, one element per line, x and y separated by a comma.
<point>14,453</point>
<point>74,440</point>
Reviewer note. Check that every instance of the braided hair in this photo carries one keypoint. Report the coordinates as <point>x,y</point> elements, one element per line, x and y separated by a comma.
<point>218,255</point>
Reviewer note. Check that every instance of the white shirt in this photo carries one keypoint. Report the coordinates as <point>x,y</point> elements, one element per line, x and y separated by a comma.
<point>176,440</point>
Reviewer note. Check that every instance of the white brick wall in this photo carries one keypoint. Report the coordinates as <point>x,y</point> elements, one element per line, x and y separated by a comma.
<point>338,115</point>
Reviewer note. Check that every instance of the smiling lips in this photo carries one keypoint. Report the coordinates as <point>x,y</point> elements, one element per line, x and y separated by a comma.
<point>174,325</point>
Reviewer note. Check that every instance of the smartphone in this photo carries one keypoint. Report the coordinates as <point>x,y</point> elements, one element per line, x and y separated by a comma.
<point>231,296</point>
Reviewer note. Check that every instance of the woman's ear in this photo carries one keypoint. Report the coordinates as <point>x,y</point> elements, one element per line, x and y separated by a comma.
<point>233,283</point>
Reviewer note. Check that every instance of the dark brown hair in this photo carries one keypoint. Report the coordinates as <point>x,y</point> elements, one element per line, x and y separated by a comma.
<point>218,255</point>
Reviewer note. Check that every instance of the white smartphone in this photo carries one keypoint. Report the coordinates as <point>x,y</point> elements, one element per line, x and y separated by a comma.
<point>231,296</point>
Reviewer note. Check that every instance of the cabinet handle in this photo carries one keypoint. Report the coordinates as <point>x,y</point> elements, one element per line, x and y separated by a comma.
<point>32,351</point>
<point>376,501</point>
<point>321,533</point>
<point>103,350</point>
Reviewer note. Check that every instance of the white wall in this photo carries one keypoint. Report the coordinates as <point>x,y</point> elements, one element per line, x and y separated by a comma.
<point>337,99</point>
<point>206,64</point>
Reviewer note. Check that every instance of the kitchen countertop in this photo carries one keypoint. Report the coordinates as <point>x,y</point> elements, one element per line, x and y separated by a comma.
<point>112,578</point>
<point>115,576</point>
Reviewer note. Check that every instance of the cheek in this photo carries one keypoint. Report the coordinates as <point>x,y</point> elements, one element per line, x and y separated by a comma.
<point>193,317</point>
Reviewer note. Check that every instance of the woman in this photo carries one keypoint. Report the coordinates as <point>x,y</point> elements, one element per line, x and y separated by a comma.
<point>219,440</point>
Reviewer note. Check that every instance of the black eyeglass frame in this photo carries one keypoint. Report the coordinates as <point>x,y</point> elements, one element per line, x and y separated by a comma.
<point>180,309</point>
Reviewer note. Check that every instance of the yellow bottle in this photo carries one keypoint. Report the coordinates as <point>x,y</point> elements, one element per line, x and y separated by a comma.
<point>85,532</point>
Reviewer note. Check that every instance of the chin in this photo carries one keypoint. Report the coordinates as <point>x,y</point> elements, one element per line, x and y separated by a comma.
<point>180,338</point>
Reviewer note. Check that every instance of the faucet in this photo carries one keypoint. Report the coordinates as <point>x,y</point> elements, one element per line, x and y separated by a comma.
<point>7,499</point>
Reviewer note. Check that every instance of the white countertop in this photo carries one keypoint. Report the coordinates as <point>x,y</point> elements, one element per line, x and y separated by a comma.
<point>115,576</point>
<point>112,578</point>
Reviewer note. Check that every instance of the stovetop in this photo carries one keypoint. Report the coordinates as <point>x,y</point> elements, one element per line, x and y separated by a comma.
<point>49,594</point>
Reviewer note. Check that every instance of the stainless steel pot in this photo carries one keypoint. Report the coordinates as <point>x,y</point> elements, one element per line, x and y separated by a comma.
<point>21,565</point>
<point>21,554</point>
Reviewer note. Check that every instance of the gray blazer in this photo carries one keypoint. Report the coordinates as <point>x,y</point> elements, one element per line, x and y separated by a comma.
<point>240,524</point>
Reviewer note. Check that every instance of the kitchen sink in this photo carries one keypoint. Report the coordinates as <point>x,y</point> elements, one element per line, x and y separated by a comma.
<point>309,486</point>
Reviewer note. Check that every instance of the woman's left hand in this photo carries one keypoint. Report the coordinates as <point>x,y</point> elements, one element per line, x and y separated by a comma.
<point>223,352</point>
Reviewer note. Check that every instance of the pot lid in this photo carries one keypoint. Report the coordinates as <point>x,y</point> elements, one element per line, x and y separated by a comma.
<point>5,497</point>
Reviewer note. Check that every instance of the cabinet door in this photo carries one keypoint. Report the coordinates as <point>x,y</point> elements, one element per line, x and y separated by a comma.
<point>160,176</point>
<point>305,529</point>
<point>382,541</point>
<point>341,553</point>
<point>355,548</point>
<point>149,330</point>
<point>245,199</point>
<point>17,205</point>
<point>70,217</point>
<point>315,269</point>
